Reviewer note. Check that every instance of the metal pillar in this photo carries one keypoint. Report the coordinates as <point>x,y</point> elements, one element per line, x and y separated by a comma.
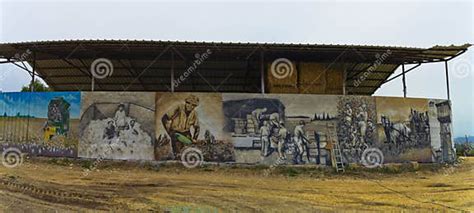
<point>447,79</point>
<point>92,83</point>
<point>404,81</point>
<point>262,72</point>
<point>172,71</point>
<point>32,85</point>
<point>344,83</point>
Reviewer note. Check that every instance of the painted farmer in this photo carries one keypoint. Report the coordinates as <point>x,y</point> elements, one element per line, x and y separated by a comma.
<point>182,124</point>
<point>282,138</point>
<point>301,142</point>
<point>256,117</point>
<point>265,138</point>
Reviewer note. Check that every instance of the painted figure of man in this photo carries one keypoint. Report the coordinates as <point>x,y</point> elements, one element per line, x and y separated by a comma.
<point>256,117</point>
<point>133,127</point>
<point>120,117</point>
<point>265,138</point>
<point>274,124</point>
<point>363,118</point>
<point>301,142</point>
<point>109,131</point>
<point>283,136</point>
<point>180,122</point>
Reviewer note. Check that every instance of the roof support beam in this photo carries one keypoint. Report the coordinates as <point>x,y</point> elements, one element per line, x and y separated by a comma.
<point>404,81</point>
<point>80,70</point>
<point>151,64</point>
<point>131,70</point>
<point>172,72</point>
<point>32,87</point>
<point>394,77</point>
<point>447,79</point>
<point>262,72</point>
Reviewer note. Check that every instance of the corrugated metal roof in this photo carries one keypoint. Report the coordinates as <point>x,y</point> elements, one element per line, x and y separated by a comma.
<point>233,67</point>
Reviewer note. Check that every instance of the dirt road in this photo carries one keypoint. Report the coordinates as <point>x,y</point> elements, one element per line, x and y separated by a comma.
<point>47,186</point>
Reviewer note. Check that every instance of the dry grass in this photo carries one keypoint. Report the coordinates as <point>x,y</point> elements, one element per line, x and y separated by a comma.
<point>59,184</point>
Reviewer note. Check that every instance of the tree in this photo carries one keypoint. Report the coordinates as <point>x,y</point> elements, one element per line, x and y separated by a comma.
<point>38,87</point>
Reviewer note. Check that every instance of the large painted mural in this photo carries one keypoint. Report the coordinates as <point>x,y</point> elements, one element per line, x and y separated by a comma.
<point>404,129</point>
<point>195,120</point>
<point>288,129</point>
<point>227,127</point>
<point>356,126</point>
<point>117,125</point>
<point>40,123</point>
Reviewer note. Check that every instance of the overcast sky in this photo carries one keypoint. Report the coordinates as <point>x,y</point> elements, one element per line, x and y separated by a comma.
<point>399,23</point>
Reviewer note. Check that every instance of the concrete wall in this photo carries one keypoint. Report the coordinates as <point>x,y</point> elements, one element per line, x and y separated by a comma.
<point>229,127</point>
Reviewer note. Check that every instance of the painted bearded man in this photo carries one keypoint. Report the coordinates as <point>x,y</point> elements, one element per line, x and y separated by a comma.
<point>179,123</point>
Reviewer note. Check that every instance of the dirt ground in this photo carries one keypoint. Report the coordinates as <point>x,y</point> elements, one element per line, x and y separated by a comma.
<point>50,185</point>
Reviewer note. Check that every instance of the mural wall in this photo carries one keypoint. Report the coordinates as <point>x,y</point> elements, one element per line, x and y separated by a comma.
<point>228,127</point>
<point>117,125</point>
<point>40,123</point>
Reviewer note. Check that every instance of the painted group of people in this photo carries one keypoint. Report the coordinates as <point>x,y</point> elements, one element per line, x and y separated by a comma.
<point>119,124</point>
<point>274,136</point>
<point>355,126</point>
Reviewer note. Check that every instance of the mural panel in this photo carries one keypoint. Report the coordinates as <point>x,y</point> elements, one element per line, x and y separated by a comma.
<point>40,123</point>
<point>356,128</point>
<point>117,125</point>
<point>191,120</point>
<point>404,129</point>
<point>288,129</point>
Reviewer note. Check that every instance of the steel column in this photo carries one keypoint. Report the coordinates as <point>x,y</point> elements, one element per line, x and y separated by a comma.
<point>32,85</point>
<point>262,72</point>
<point>447,78</point>
<point>172,71</point>
<point>92,83</point>
<point>404,81</point>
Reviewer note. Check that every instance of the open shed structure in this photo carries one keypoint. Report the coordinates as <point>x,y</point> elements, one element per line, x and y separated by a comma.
<point>219,67</point>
